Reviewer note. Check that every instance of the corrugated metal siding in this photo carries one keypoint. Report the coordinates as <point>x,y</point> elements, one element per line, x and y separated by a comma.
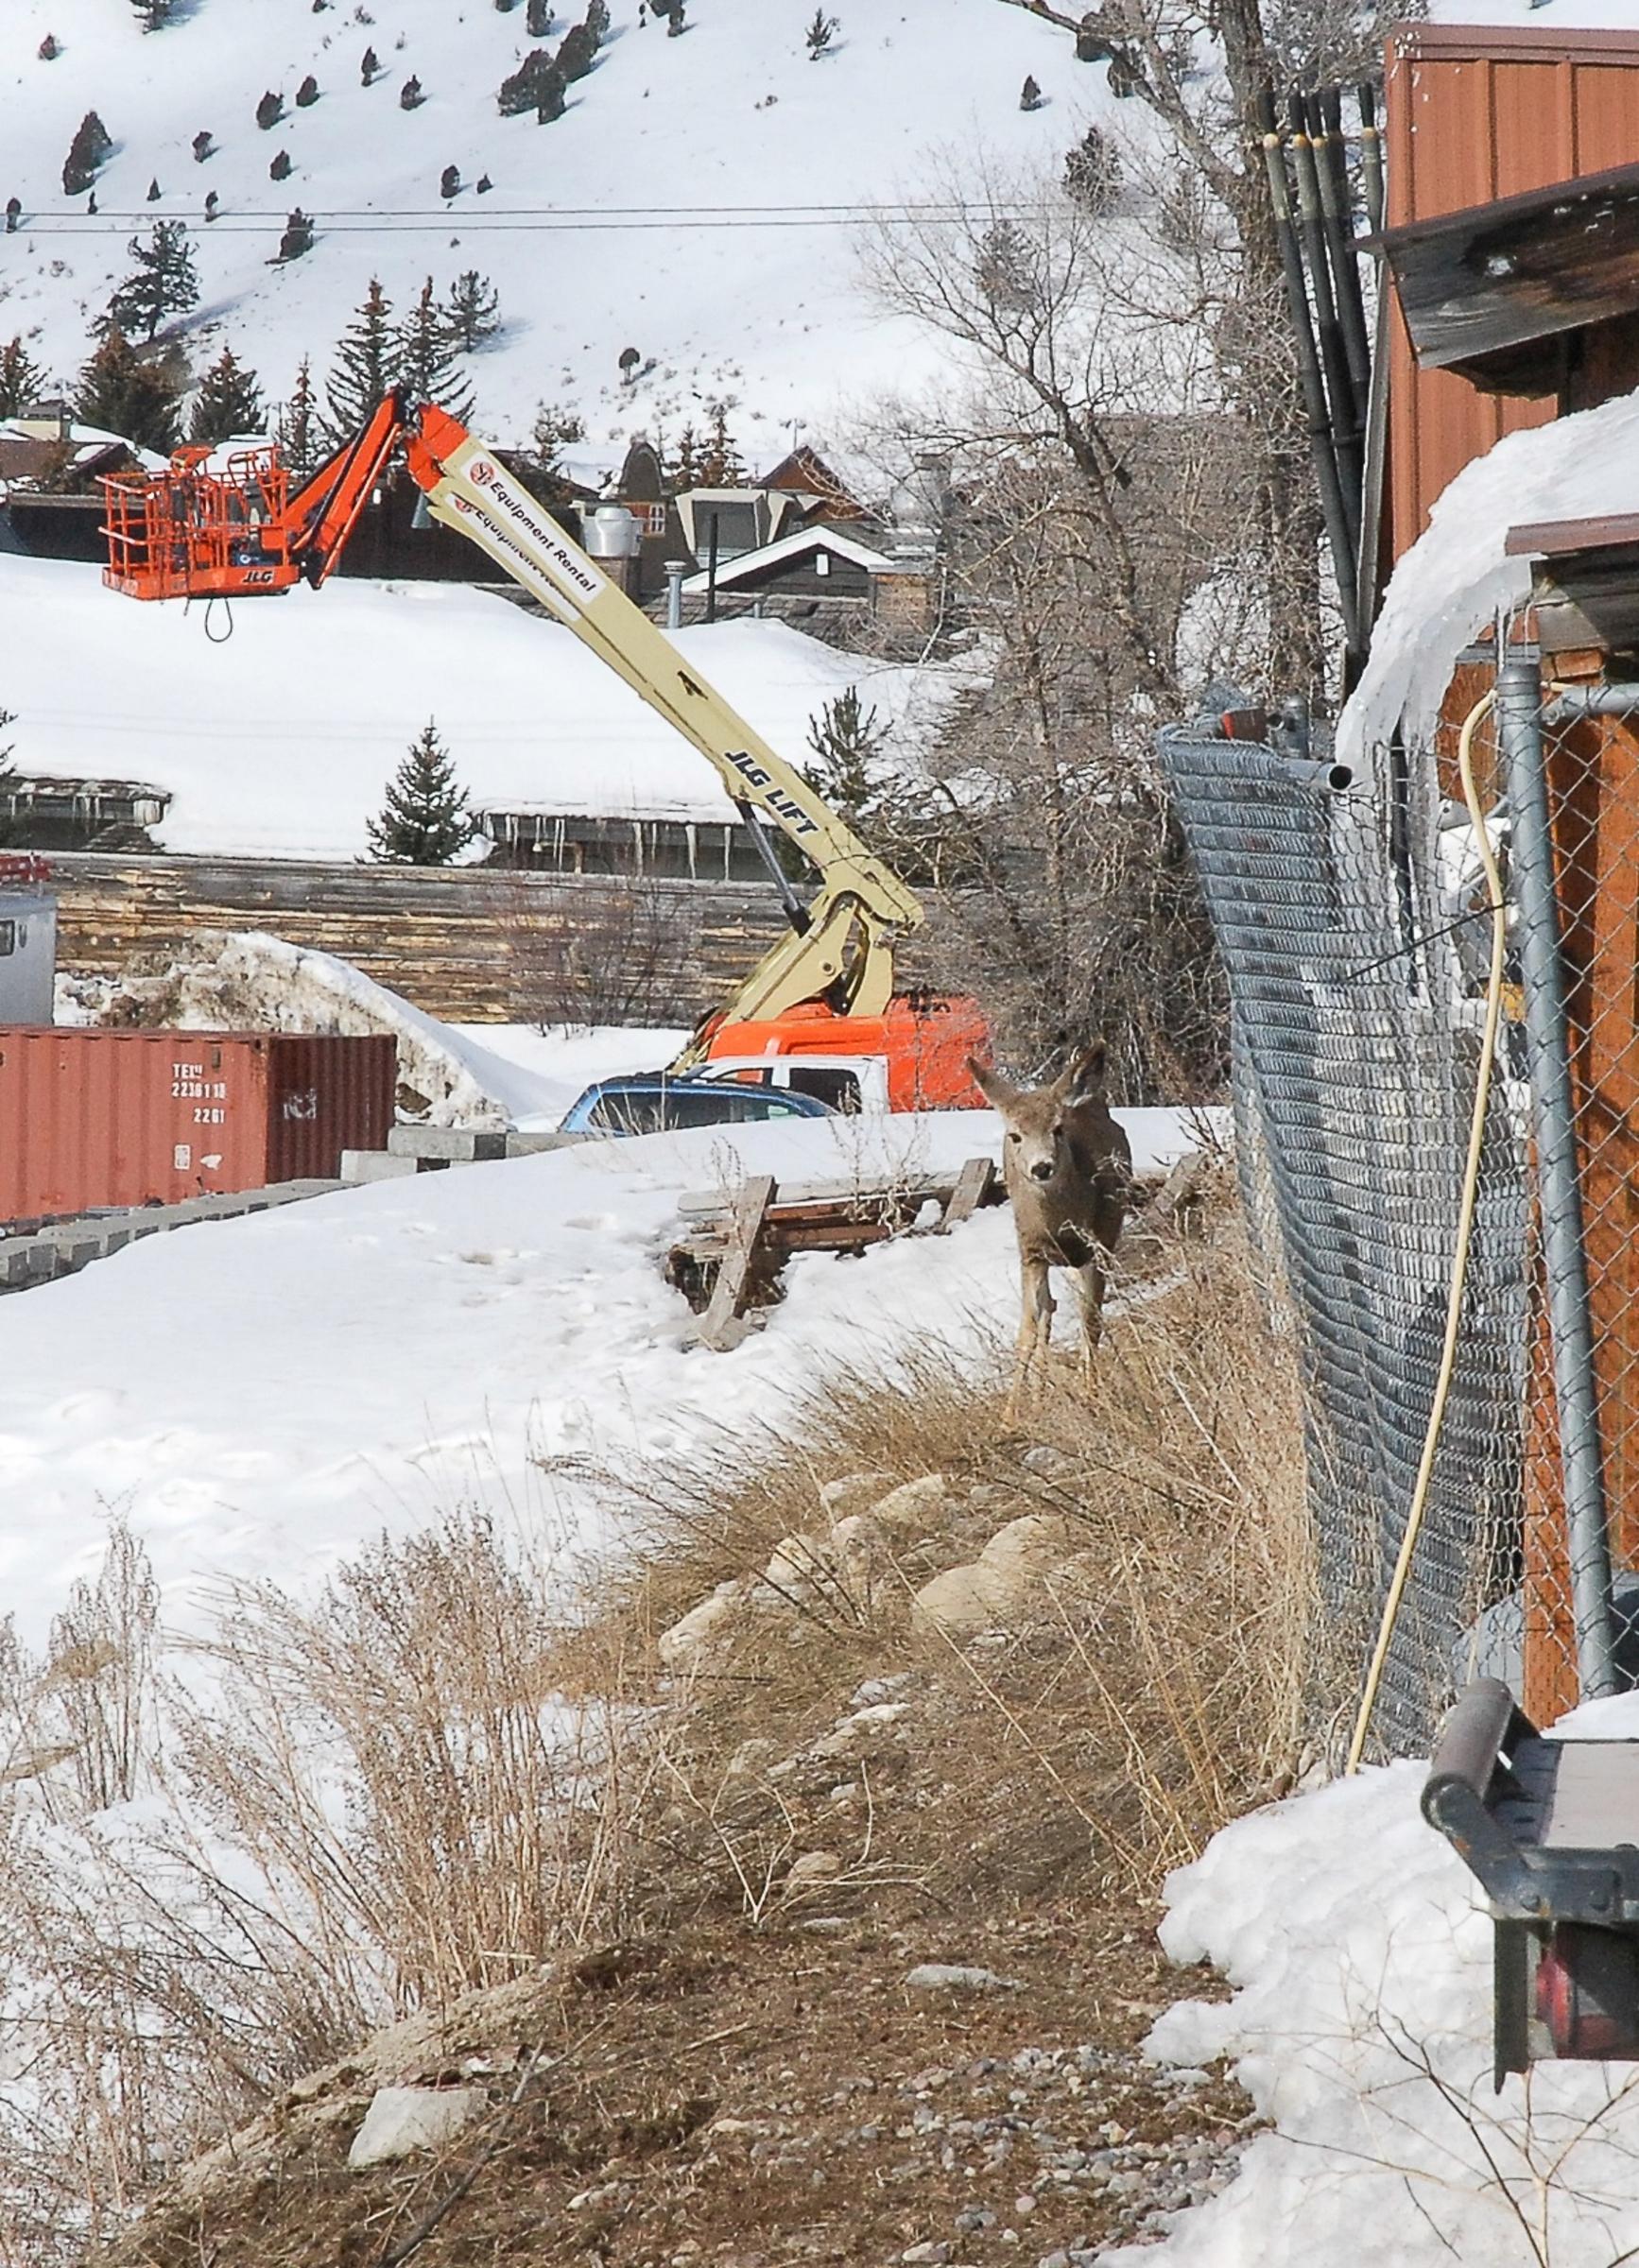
<point>326,1096</point>
<point>91,1117</point>
<point>1477,112</point>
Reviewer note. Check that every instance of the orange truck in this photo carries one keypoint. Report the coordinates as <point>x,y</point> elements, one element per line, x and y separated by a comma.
<point>821,1002</point>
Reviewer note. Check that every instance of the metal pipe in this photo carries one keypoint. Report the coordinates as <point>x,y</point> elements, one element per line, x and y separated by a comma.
<point>1591,700</point>
<point>1559,1189</point>
<point>675,571</point>
<point>711,573</point>
<point>1310,383</point>
<point>1370,156</point>
<point>1338,212</point>
<point>1328,331</point>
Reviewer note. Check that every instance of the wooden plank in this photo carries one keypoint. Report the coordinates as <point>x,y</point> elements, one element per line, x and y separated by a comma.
<point>701,1203</point>
<point>973,1189</point>
<point>729,1294</point>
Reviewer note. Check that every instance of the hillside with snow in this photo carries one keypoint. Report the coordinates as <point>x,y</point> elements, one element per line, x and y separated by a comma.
<point>280,739</point>
<point>698,202</point>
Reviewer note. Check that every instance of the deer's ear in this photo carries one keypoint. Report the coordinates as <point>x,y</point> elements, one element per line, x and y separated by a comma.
<point>1084,1080</point>
<point>997,1092</point>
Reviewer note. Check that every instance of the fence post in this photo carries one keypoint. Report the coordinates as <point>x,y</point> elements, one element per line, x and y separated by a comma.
<point>1559,1190</point>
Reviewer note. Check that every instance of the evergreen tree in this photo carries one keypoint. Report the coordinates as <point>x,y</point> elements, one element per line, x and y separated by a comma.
<point>553,96</point>
<point>578,53</point>
<point>229,402</point>
<point>298,236</point>
<point>538,19</point>
<point>123,392</point>
<point>1093,172</point>
<point>820,34</point>
<point>365,367</point>
<point>720,464</point>
<point>13,214</point>
<point>597,20</point>
<point>300,443</point>
<point>269,110</point>
<point>427,360</point>
<point>675,26</point>
<point>847,740</point>
<point>21,380</point>
<point>164,281</point>
<point>153,12</point>
<point>472,313</point>
<point>409,96</point>
<point>87,152</point>
<point>450,183</point>
<point>369,66</point>
<point>1030,95</point>
<point>204,146</point>
<point>424,821</point>
<point>281,168</point>
<point>154,190</point>
<point>48,49</point>
<point>524,88</point>
<point>308,92</point>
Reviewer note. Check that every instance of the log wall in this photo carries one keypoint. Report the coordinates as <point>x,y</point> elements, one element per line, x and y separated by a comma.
<point>471,944</point>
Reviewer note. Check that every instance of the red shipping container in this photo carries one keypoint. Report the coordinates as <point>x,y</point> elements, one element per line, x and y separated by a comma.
<point>93,1117</point>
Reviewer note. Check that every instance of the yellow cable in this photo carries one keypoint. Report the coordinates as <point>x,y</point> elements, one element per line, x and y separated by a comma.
<point>1464,1233</point>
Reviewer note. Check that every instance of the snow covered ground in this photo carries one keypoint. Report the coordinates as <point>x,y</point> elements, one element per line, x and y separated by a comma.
<point>692,180</point>
<point>1360,2025</point>
<point>280,740</point>
<point>259,1397</point>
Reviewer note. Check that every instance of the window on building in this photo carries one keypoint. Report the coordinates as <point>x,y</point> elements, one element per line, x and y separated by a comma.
<point>7,939</point>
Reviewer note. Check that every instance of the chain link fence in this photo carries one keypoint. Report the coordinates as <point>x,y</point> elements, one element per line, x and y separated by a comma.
<point>1350,912</point>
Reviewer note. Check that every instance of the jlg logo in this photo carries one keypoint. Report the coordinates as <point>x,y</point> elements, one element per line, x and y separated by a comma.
<point>480,473</point>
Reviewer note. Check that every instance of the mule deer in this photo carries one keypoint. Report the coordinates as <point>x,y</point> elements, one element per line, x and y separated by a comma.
<point>1067,1168</point>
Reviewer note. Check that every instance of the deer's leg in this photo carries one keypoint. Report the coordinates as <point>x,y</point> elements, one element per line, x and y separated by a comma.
<point>1035,1326</point>
<point>1090,1286</point>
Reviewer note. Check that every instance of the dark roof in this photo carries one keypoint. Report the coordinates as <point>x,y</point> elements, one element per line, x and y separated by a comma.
<point>1488,290</point>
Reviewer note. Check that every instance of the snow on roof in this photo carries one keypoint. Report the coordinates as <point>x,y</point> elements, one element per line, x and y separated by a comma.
<point>89,440</point>
<point>791,547</point>
<point>280,741</point>
<point>1450,584</point>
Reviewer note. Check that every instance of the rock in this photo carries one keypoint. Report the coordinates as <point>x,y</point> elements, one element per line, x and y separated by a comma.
<point>813,1867</point>
<point>865,1730</point>
<point>880,1689</point>
<point>705,1626</point>
<point>750,1756</point>
<point>963,1601</point>
<point>800,1564</point>
<point>852,1492</point>
<point>929,2253</point>
<point>914,1505</point>
<point>1033,1544</point>
<point>947,1976</point>
<point>1051,1463</point>
<point>862,1559</point>
<point>402,2120</point>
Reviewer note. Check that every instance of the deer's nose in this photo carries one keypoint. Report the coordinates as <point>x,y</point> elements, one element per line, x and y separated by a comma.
<point>1042,1170</point>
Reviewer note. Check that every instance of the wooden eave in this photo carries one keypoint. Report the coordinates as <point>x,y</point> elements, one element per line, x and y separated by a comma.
<point>1586,588</point>
<point>1491,291</point>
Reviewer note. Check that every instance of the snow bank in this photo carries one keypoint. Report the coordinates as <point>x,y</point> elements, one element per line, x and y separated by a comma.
<point>1450,584</point>
<point>261,1396</point>
<point>1361,2027</point>
<point>280,740</point>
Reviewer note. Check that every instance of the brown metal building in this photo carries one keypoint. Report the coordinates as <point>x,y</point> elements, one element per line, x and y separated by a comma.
<point>1474,112</point>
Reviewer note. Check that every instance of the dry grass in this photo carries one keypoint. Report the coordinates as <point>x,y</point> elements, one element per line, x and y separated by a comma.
<point>1158,1679</point>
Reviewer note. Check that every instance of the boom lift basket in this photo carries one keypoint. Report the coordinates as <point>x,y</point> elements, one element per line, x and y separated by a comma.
<point>193,533</point>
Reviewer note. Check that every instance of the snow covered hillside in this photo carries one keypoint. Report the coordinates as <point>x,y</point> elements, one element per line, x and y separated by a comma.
<point>260,1397</point>
<point>696,202</point>
<point>281,739</point>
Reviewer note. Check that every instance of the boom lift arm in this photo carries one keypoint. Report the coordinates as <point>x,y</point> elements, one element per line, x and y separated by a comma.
<point>191,533</point>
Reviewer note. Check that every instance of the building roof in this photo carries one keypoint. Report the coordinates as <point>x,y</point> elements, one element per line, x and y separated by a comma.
<point>806,474</point>
<point>751,564</point>
<point>1483,290</point>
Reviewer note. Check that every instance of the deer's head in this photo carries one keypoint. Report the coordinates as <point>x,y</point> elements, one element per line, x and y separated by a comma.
<point>1037,1143</point>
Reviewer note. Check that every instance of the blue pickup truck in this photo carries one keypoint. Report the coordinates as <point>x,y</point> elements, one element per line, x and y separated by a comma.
<point>653,1104</point>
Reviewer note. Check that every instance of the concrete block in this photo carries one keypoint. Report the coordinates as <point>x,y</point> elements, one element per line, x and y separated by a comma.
<point>26,1260</point>
<point>375,1165</point>
<point>450,1145</point>
<point>532,1145</point>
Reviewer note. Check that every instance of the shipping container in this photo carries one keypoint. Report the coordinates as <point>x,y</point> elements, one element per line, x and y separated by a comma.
<point>27,952</point>
<point>91,1117</point>
<point>1476,112</point>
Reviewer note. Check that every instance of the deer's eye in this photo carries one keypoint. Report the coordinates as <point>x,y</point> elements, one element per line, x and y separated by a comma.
<point>1013,1138</point>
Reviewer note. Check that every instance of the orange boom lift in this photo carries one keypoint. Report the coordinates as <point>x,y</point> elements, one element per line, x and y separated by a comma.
<point>825,991</point>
